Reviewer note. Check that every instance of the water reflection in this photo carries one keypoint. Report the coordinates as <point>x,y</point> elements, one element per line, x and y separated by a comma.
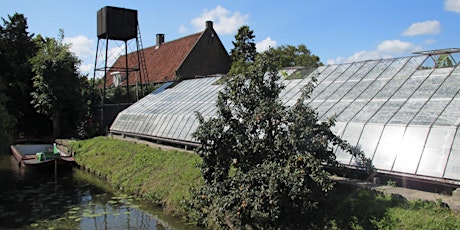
<point>72,200</point>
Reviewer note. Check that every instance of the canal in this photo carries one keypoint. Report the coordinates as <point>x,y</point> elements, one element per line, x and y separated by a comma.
<point>74,199</point>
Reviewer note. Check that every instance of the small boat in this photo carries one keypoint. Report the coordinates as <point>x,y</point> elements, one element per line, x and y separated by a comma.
<point>40,156</point>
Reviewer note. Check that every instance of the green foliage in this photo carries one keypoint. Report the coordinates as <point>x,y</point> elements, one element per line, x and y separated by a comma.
<point>418,214</point>
<point>16,48</point>
<point>277,151</point>
<point>88,126</point>
<point>444,60</point>
<point>350,207</point>
<point>289,56</point>
<point>115,95</point>
<point>56,83</point>
<point>159,176</point>
<point>244,52</point>
<point>7,122</point>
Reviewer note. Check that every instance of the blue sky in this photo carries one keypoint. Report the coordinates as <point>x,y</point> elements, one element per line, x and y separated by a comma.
<point>337,31</point>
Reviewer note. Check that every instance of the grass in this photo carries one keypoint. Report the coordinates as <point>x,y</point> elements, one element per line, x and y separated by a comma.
<point>162,177</point>
<point>165,177</point>
<point>349,207</point>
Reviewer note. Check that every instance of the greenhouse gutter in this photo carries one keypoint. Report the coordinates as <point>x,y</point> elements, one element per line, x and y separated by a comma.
<point>157,139</point>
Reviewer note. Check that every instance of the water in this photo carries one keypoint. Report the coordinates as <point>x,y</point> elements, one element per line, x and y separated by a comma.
<point>74,199</point>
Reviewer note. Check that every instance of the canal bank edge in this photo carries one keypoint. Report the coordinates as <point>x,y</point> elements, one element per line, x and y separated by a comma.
<point>160,176</point>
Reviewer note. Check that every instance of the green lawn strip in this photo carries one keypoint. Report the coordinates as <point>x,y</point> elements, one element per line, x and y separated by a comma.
<point>163,177</point>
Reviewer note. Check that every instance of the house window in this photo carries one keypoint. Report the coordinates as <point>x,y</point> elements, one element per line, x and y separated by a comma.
<point>116,78</point>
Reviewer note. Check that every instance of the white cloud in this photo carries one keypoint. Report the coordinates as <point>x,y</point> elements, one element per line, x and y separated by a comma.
<point>358,56</point>
<point>397,47</point>
<point>430,41</point>
<point>385,49</point>
<point>225,22</point>
<point>84,49</point>
<point>265,44</point>
<point>426,27</point>
<point>81,46</point>
<point>182,29</point>
<point>452,5</point>
<point>86,69</point>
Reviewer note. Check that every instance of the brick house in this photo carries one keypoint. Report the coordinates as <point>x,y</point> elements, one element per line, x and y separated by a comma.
<point>199,54</point>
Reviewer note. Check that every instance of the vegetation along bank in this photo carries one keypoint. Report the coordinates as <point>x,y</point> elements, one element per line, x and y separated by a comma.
<point>165,177</point>
<point>157,176</point>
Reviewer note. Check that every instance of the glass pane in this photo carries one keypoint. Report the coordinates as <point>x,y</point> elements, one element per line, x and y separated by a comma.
<point>407,112</point>
<point>338,128</point>
<point>388,147</point>
<point>433,162</point>
<point>410,149</point>
<point>449,88</point>
<point>349,72</point>
<point>453,167</point>
<point>327,92</point>
<point>368,111</point>
<point>351,110</point>
<point>351,135</point>
<point>386,112</point>
<point>430,85</point>
<point>337,109</point>
<point>373,89</point>
<point>369,139</point>
<point>364,70</point>
<point>357,89</point>
<point>395,66</point>
<point>390,88</point>
<point>451,115</point>
<point>430,111</point>
<point>408,88</point>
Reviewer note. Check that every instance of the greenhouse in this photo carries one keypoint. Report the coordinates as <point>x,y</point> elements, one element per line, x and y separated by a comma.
<point>404,113</point>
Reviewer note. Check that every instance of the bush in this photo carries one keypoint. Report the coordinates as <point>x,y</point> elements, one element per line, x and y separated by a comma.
<point>277,153</point>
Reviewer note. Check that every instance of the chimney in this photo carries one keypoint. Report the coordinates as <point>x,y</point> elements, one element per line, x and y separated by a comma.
<point>160,39</point>
<point>209,24</point>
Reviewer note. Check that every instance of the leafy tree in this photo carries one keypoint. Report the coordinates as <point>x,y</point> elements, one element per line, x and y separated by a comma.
<point>7,122</point>
<point>16,48</point>
<point>57,89</point>
<point>289,56</point>
<point>244,51</point>
<point>444,60</point>
<point>263,162</point>
<point>89,125</point>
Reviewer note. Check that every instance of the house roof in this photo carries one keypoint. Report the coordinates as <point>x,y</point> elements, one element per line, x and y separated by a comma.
<point>162,61</point>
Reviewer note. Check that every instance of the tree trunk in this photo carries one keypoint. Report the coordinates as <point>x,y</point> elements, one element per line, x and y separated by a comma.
<point>56,128</point>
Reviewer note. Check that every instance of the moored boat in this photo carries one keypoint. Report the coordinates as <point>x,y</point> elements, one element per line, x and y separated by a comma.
<point>40,156</point>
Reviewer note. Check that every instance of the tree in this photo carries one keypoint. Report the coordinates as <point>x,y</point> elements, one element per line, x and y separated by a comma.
<point>88,126</point>
<point>289,56</point>
<point>16,48</point>
<point>443,61</point>
<point>56,83</point>
<point>263,162</point>
<point>7,122</point>
<point>244,51</point>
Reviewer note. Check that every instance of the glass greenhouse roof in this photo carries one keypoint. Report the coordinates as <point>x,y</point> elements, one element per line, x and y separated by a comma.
<point>403,114</point>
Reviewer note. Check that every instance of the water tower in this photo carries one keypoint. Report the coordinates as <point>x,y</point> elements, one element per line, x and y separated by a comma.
<point>118,26</point>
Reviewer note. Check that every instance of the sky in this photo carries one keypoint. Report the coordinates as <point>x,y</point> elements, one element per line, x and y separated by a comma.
<point>338,31</point>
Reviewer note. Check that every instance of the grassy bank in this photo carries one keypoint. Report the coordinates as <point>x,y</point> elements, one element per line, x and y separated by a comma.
<point>165,177</point>
<point>159,176</point>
